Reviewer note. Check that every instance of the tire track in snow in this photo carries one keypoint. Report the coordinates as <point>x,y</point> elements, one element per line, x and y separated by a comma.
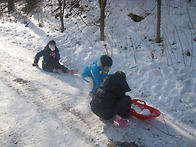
<point>55,107</point>
<point>67,118</point>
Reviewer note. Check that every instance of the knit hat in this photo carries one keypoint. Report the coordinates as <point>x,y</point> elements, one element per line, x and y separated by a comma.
<point>106,61</point>
<point>52,42</point>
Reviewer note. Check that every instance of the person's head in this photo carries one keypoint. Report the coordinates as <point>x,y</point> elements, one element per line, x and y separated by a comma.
<point>52,45</point>
<point>116,81</point>
<point>106,62</point>
<point>120,77</point>
<point>120,74</point>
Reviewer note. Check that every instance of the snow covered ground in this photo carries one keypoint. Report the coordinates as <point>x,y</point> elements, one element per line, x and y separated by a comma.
<point>43,109</point>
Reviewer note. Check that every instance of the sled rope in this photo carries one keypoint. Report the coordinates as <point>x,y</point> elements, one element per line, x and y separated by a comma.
<point>167,133</point>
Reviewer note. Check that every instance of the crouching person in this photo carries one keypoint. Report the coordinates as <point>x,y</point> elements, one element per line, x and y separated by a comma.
<point>110,101</point>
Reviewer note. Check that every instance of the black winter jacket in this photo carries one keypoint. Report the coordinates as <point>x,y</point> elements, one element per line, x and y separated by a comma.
<point>47,58</point>
<point>110,91</point>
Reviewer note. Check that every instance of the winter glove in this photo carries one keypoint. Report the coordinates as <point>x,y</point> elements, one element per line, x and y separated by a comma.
<point>34,64</point>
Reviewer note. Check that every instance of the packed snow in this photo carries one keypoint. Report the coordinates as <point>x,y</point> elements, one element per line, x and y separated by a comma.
<point>41,109</point>
<point>139,110</point>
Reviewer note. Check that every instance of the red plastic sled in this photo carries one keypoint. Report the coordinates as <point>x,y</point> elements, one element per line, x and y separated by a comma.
<point>152,112</point>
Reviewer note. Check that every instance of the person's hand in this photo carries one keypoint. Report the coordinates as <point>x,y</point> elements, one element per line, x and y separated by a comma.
<point>34,64</point>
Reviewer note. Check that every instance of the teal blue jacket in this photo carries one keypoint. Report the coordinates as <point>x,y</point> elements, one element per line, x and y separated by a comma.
<point>96,73</point>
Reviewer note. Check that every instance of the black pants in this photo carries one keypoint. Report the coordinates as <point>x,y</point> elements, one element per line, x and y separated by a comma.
<point>50,67</point>
<point>123,107</point>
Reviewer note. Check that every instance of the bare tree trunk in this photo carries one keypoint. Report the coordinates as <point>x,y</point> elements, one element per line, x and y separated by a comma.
<point>102,4</point>
<point>10,6</point>
<point>61,13</point>
<point>31,4</point>
<point>158,38</point>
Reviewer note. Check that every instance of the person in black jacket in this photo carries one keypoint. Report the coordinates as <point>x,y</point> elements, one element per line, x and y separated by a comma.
<point>51,59</point>
<point>110,100</point>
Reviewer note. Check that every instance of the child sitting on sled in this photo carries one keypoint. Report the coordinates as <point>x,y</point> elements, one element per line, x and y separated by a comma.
<point>51,59</point>
<point>110,100</point>
<point>96,72</point>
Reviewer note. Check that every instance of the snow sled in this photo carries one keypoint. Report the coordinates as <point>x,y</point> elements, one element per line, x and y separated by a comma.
<point>142,111</point>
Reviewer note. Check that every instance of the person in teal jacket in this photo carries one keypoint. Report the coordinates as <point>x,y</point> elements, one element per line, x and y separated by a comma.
<point>96,72</point>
